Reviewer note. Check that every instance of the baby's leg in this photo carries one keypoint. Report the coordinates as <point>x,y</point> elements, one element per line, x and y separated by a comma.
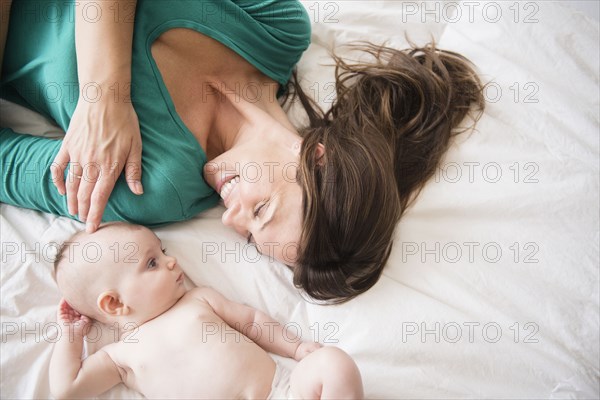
<point>327,373</point>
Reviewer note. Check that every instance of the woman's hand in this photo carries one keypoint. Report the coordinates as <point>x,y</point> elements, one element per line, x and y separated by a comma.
<point>103,138</point>
<point>78,324</point>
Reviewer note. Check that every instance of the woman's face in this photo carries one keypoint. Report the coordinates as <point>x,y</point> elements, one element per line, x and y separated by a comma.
<point>257,182</point>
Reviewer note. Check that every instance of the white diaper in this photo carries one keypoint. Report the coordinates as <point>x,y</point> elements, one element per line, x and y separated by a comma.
<point>280,388</point>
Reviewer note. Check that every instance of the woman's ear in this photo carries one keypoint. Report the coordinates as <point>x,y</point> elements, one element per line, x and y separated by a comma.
<point>319,154</point>
<point>110,304</point>
<point>297,147</point>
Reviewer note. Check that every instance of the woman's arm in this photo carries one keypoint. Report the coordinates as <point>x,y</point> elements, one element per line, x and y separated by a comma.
<point>103,137</point>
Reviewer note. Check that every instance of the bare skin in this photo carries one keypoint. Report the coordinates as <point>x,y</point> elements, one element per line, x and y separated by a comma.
<point>176,343</point>
<point>185,371</point>
<point>232,110</point>
<point>178,53</point>
<point>205,61</point>
<point>103,138</point>
<point>248,127</point>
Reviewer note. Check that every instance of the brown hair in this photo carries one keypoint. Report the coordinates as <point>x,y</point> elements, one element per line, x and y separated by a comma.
<point>387,131</point>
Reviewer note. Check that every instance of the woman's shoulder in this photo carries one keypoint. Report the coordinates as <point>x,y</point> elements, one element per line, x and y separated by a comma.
<point>270,35</point>
<point>288,17</point>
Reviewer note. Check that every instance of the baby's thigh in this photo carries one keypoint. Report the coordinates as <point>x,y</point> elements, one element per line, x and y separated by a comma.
<point>306,378</point>
<point>327,372</point>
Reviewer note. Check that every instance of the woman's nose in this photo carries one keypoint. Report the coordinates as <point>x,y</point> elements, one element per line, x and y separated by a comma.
<point>234,217</point>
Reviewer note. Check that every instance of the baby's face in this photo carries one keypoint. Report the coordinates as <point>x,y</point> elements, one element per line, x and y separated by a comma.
<point>146,279</point>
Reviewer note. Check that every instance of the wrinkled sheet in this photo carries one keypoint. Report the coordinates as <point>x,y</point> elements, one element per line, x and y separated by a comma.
<point>492,288</point>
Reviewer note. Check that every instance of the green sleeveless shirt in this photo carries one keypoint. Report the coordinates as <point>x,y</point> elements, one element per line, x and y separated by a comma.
<point>40,72</point>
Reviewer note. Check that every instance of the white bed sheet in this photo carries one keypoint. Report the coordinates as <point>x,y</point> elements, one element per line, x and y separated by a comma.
<point>501,247</point>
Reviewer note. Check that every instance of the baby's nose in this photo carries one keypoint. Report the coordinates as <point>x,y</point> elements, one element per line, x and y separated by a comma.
<point>171,263</point>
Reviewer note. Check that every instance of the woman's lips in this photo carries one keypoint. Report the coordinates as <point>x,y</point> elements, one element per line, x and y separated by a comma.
<point>228,188</point>
<point>226,178</point>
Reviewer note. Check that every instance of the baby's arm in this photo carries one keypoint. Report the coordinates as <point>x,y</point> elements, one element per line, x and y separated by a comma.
<point>69,377</point>
<point>264,330</point>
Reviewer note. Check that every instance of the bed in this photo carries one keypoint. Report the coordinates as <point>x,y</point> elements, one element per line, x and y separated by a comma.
<point>492,288</point>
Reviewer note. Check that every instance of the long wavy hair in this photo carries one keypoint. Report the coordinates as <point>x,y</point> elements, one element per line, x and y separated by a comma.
<point>384,136</point>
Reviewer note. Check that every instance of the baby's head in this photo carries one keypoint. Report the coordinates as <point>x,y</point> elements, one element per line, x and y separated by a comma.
<point>120,273</point>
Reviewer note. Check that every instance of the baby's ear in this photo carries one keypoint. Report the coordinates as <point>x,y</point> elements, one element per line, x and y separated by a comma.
<point>110,304</point>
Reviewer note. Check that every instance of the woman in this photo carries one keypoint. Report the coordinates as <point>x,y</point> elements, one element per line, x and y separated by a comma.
<point>204,80</point>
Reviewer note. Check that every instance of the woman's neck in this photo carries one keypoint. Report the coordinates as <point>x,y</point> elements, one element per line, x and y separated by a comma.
<point>229,125</point>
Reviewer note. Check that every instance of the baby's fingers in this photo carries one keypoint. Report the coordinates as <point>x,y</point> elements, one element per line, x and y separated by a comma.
<point>82,321</point>
<point>305,348</point>
<point>312,347</point>
<point>65,311</point>
<point>62,305</point>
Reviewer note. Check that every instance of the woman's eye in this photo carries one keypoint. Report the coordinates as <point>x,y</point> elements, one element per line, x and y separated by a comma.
<point>250,238</point>
<point>257,210</point>
<point>152,263</point>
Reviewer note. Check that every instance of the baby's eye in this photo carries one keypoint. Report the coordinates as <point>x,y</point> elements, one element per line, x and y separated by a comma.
<point>152,263</point>
<point>164,251</point>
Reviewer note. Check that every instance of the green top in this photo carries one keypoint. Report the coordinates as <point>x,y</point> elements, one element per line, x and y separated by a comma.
<point>40,72</point>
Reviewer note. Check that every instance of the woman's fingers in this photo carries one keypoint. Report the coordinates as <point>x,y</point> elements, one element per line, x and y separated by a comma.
<point>104,186</point>
<point>133,170</point>
<point>57,169</point>
<point>73,181</point>
<point>103,139</point>
<point>87,185</point>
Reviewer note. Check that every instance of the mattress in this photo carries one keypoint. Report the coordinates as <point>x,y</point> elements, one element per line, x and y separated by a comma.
<point>492,287</point>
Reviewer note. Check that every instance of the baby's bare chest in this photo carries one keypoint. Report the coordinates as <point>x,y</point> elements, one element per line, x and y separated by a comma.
<point>186,351</point>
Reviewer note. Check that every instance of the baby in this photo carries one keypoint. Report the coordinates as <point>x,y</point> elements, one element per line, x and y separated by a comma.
<point>164,351</point>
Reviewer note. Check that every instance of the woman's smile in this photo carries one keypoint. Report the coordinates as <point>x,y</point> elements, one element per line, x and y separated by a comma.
<point>224,179</point>
<point>227,188</point>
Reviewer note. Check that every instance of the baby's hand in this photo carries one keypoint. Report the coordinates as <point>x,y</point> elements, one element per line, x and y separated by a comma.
<point>69,317</point>
<point>305,349</point>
